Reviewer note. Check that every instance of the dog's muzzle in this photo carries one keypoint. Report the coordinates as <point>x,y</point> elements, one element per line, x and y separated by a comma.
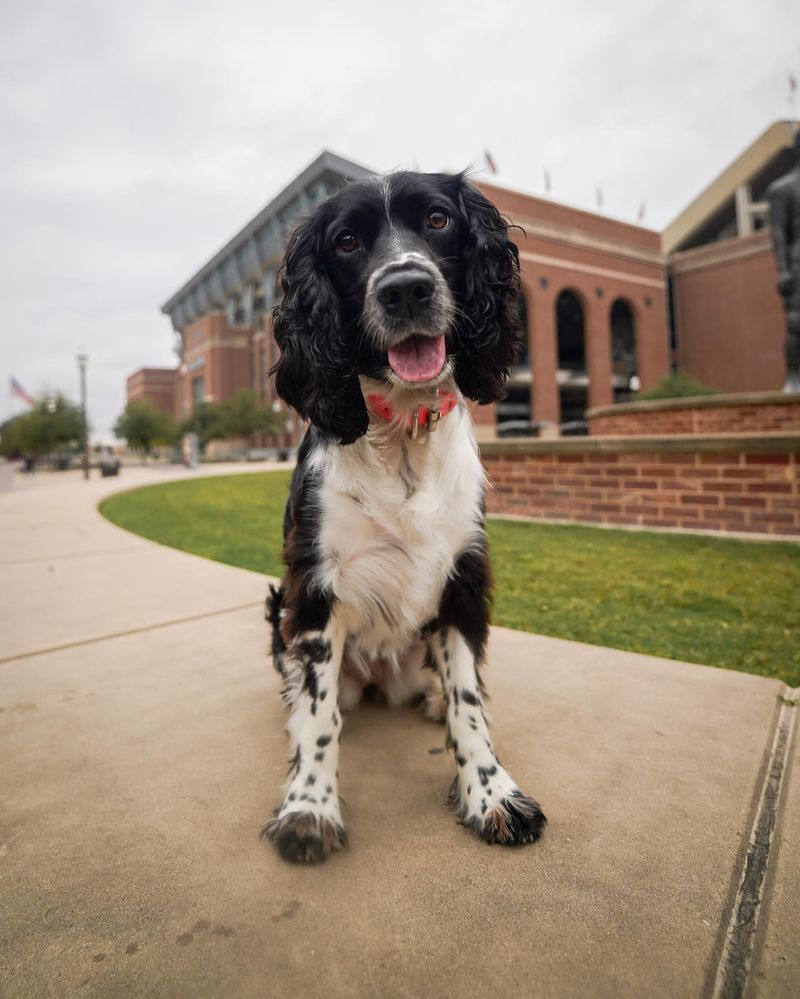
<point>404,296</point>
<point>406,293</point>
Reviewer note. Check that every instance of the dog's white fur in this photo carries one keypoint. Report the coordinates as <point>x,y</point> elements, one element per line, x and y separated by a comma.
<point>395,515</point>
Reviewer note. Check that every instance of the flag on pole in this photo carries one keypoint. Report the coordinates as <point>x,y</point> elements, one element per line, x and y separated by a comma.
<point>599,194</point>
<point>18,391</point>
<point>490,163</point>
<point>641,213</point>
<point>547,184</point>
<point>792,83</point>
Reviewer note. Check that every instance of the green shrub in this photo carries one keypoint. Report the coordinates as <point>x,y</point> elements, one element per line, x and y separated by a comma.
<point>676,386</point>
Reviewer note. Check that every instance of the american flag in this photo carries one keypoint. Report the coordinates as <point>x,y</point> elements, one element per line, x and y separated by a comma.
<point>18,391</point>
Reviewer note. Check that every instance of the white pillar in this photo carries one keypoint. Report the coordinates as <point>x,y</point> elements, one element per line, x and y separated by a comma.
<point>744,222</point>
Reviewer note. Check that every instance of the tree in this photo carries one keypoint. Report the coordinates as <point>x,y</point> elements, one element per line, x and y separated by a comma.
<point>244,415</point>
<point>141,425</point>
<point>54,425</point>
<point>240,416</point>
<point>10,438</point>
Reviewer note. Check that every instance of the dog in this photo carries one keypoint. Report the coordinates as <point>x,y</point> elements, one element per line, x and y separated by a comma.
<point>399,303</point>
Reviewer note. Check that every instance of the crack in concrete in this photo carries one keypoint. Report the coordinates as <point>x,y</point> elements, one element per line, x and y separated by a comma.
<point>74,555</point>
<point>128,631</point>
<point>737,952</point>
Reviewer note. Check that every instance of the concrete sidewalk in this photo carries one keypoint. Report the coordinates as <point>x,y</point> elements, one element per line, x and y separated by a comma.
<point>142,746</point>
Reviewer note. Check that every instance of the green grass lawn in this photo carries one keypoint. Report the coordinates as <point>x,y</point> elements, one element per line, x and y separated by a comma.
<point>721,602</point>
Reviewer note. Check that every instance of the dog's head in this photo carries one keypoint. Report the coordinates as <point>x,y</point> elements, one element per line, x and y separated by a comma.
<point>409,279</point>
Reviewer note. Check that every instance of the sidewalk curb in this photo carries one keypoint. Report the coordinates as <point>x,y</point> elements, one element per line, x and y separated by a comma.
<point>736,959</point>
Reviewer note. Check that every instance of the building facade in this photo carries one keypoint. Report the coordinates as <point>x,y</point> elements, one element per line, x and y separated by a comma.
<point>729,323</point>
<point>594,307</point>
<point>608,307</point>
<point>158,386</point>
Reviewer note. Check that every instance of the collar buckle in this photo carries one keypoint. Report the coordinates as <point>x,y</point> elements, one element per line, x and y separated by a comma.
<point>423,426</point>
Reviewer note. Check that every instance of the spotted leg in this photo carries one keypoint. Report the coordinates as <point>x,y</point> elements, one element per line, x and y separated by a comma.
<point>484,795</point>
<point>308,826</point>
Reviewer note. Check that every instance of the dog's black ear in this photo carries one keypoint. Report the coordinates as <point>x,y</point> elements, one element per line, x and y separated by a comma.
<point>489,334</point>
<point>316,373</point>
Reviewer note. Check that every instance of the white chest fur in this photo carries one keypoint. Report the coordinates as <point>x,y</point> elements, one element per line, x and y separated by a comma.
<point>395,514</point>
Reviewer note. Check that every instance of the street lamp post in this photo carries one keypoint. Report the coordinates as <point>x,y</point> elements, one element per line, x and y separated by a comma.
<point>83,362</point>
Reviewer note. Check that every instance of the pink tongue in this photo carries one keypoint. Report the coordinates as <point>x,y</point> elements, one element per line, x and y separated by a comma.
<point>417,358</point>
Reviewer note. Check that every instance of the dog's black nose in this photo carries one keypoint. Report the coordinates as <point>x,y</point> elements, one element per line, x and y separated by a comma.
<point>405,294</point>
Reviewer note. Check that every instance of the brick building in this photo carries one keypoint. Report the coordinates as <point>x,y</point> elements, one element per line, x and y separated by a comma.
<point>157,386</point>
<point>607,305</point>
<point>729,324</point>
<point>594,302</point>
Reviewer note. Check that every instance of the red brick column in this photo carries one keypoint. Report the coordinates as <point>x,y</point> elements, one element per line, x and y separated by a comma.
<point>597,332</point>
<point>544,356</point>
<point>652,344</point>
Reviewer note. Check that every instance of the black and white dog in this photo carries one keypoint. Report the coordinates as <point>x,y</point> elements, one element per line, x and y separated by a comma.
<point>400,302</point>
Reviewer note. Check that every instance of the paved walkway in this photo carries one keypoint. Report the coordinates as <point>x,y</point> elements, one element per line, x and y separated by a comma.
<point>142,747</point>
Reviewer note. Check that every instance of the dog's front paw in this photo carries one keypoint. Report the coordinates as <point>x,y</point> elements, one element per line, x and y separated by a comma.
<point>514,820</point>
<point>304,837</point>
<point>495,808</point>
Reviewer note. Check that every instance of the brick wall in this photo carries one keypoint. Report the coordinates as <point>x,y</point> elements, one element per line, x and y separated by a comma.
<point>747,413</point>
<point>728,314</point>
<point>745,484</point>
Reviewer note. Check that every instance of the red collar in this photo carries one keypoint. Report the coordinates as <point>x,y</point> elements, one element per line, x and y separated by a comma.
<point>421,416</point>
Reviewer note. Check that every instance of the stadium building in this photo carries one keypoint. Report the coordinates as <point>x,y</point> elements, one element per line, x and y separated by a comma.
<point>609,307</point>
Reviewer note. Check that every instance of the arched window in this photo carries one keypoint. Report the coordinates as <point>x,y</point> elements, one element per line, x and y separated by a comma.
<point>515,410</point>
<point>569,331</point>
<point>572,379</point>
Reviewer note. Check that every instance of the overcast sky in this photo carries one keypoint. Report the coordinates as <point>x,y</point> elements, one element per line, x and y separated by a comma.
<point>137,138</point>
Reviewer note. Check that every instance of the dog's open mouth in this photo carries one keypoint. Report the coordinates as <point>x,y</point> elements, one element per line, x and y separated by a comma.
<point>418,358</point>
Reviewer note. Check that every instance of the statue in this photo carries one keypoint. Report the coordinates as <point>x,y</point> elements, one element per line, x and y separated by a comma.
<point>783,196</point>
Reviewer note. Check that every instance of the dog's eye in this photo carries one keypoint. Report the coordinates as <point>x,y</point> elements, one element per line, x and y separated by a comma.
<point>437,218</point>
<point>346,242</point>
